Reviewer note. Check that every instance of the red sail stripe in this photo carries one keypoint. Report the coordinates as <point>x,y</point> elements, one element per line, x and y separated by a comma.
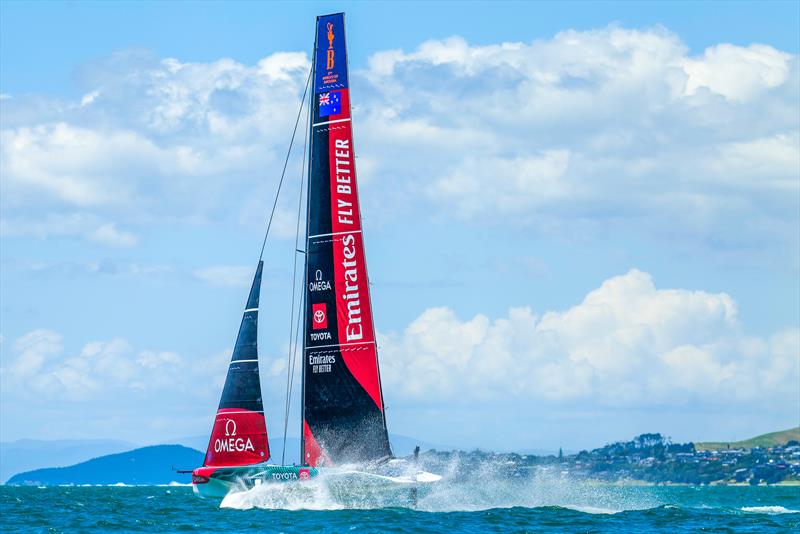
<point>353,311</point>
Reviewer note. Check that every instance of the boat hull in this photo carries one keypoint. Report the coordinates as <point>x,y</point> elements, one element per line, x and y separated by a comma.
<point>217,482</point>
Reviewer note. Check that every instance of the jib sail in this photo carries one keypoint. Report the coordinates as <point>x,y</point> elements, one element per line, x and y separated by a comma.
<point>239,435</point>
<point>343,413</point>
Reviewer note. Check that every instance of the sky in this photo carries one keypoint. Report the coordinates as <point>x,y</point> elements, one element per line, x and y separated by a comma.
<point>582,220</point>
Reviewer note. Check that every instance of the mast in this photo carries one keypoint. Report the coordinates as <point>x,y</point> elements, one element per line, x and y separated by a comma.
<point>305,255</point>
<point>343,412</point>
<point>239,434</point>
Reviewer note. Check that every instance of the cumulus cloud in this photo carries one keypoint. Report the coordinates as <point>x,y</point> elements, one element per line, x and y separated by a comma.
<point>39,368</point>
<point>627,343</point>
<point>33,350</point>
<point>550,133</point>
<point>41,364</point>
<point>153,142</point>
<point>737,73</point>
<point>110,387</point>
<point>594,126</point>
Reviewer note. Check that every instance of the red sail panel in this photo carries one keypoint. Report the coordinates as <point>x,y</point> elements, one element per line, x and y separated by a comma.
<point>239,437</point>
<point>353,314</point>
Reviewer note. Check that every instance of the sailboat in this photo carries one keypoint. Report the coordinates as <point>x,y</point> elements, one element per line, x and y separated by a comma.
<point>343,417</point>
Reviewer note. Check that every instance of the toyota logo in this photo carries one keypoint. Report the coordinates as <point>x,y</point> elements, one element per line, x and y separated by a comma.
<point>319,316</point>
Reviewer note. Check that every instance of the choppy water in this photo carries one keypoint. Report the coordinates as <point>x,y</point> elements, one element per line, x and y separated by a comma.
<point>534,505</point>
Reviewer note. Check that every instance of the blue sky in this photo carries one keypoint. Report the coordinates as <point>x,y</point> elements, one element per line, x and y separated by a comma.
<point>574,213</point>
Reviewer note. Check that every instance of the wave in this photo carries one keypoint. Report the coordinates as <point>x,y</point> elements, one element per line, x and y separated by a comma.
<point>772,510</point>
<point>594,510</point>
<point>310,495</point>
<point>463,487</point>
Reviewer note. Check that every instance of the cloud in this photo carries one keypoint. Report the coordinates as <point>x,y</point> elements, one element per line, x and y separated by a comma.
<point>226,275</point>
<point>588,128</point>
<point>75,224</point>
<point>108,234</point>
<point>737,73</point>
<point>111,387</point>
<point>526,181</point>
<point>39,367</point>
<point>88,98</point>
<point>153,142</point>
<point>33,350</point>
<point>600,129</point>
<point>626,344</point>
<point>77,166</point>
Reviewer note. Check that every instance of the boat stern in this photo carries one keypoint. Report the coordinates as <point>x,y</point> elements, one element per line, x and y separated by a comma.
<point>205,485</point>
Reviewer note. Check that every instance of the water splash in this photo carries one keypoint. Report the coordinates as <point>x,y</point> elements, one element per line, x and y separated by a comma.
<point>465,486</point>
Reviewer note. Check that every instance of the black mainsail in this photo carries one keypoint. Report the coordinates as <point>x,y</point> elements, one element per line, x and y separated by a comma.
<point>343,411</point>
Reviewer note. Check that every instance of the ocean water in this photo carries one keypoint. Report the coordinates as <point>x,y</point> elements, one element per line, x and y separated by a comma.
<point>536,505</point>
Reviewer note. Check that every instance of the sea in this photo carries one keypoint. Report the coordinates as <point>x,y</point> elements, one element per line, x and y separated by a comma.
<point>532,505</point>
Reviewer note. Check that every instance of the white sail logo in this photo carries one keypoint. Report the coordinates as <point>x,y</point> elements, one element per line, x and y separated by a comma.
<point>319,284</point>
<point>354,330</point>
<point>230,443</point>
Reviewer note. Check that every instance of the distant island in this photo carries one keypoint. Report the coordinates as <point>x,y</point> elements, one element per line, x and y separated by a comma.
<point>649,458</point>
<point>144,466</point>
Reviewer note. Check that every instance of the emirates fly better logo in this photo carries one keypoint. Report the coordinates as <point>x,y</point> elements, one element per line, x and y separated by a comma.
<point>319,316</point>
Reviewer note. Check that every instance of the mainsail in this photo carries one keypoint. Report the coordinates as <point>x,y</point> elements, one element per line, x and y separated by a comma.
<point>343,412</point>
<point>239,435</point>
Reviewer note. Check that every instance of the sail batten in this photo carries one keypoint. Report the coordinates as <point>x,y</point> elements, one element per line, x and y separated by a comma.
<point>343,413</point>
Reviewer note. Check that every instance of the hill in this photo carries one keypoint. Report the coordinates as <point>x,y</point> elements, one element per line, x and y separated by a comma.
<point>765,440</point>
<point>147,465</point>
<point>27,454</point>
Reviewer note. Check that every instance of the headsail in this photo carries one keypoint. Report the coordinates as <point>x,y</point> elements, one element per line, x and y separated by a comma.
<point>239,435</point>
<point>343,412</point>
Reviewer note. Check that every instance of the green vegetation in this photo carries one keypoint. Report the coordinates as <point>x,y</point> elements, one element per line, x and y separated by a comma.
<point>650,458</point>
<point>773,439</point>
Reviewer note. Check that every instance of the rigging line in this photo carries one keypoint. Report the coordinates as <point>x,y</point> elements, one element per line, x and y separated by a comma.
<point>294,363</point>
<point>293,348</point>
<point>285,163</point>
